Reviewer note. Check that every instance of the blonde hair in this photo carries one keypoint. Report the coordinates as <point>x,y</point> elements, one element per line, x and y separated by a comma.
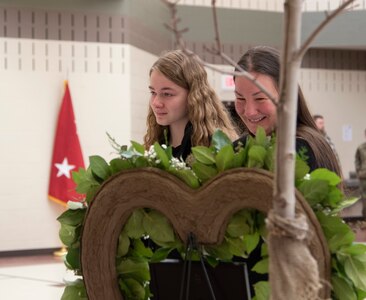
<point>206,112</point>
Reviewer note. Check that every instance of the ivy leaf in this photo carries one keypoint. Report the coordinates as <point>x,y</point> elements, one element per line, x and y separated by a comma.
<point>225,158</point>
<point>314,191</point>
<point>123,244</point>
<point>220,140</point>
<point>158,227</point>
<point>203,155</point>
<point>237,226</point>
<point>72,217</point>
<point>134,268</point>
<point>119,164</point>
<point>134,227</point>
<point>256,156</point>
<point>203,171</point>
<point>187,176</point>
<point>324,174</point>
<point>161,155</point>
<point>334,196</point>
<point>269,161</point>
<point>262,266</point>
<point>138,147</point>
<point>262,290</point>
<point>343,288</point>
<point>99,167</point>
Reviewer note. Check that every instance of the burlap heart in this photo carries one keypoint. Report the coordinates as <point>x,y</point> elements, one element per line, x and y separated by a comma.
<point>205,212</point>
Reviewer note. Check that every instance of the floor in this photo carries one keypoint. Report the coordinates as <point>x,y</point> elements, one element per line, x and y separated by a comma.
<point>32,277</point>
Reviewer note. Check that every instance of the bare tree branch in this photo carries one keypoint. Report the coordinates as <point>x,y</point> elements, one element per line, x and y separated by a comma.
<point>317,30</point>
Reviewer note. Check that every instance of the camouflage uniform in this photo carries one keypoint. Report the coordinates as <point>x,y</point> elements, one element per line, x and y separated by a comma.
<point>360,164</point>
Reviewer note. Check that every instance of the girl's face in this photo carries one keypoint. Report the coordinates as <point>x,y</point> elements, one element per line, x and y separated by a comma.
<point>168,101</point>
<point>253,106</point>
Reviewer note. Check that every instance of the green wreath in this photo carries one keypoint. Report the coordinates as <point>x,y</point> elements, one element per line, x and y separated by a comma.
<point>244,230</point>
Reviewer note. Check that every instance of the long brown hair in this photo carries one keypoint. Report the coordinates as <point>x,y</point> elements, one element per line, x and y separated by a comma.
<point>266,60</point>
<point>205,110</point>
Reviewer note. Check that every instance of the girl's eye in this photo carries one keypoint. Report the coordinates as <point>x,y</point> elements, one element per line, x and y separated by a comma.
<point>240,99</point>
<point>152,93</point>
<point>260,99</point>
<point>167,95</point>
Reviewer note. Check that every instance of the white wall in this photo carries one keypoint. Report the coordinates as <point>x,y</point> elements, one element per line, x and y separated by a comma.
<point>32,73</point>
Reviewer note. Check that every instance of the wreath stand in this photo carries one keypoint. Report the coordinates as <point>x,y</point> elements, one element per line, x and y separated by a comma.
<point>205,212</point>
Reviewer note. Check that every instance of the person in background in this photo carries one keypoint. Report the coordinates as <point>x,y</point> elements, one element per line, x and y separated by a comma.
<point>256,109</point>
<point>360,165</point>
<point>184,105</point>
<point>320,124</point>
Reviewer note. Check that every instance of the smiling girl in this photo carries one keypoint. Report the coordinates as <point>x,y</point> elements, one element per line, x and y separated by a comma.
<point>183,103</point>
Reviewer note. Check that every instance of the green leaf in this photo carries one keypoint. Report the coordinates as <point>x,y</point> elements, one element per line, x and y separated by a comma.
<point>355,268</point>
<point>314,191</point>
<point>221,252</point>
<point>160,254</point>
<point>237,226</point>
<point>262,290</point>
<point>140,250</point>
<point>134,268</point>
<point>354,249</point>
<point>324,174</point>
<point>84,180</point>
<point>256,156</point>
<point>72,217</point>
<point>99,167</point>
<point>119,164</point>
<point>269,162</point>
<point>132,288</point>
<point>158,227</point>
<point>69,234</point>
<point>138,147</point>
<point>240,157</point>
<point>343,288</point>
<point>72,258</point>
<point>261,137</point>
<point>225,158</point>
<point>338,233</point>
<point>261,267</point>
<point>220,140</point>
<point>187,176</point>
<point>237,247</point>
<point>123,244</point>
<point>203,155</point>
<point>78,176</point>
<point>251,241</point>
<point>141,162</point>
<point>134,227</point>
<point>203,172</point>
<point>301,168</point>
<point>74,291</point>
<point>161,155</point>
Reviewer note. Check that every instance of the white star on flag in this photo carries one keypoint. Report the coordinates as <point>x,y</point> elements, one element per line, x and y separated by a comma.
<point>64,168</point>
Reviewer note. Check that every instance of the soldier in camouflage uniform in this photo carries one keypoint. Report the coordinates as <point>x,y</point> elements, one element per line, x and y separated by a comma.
<point>360,164</point>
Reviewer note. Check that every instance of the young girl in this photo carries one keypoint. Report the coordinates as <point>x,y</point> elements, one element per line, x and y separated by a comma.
<point>183,104</point>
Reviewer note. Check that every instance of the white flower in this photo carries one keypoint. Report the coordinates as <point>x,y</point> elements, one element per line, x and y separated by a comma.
<point>178,164</point>
<point>75,205</point>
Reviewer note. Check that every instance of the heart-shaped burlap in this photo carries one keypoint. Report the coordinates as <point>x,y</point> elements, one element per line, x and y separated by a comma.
<point>204,212</point>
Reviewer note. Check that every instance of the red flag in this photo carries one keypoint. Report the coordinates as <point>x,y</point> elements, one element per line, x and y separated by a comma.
<point>67,156</point>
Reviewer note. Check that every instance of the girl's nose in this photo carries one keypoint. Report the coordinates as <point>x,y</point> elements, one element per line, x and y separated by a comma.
<point>155,101</point>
